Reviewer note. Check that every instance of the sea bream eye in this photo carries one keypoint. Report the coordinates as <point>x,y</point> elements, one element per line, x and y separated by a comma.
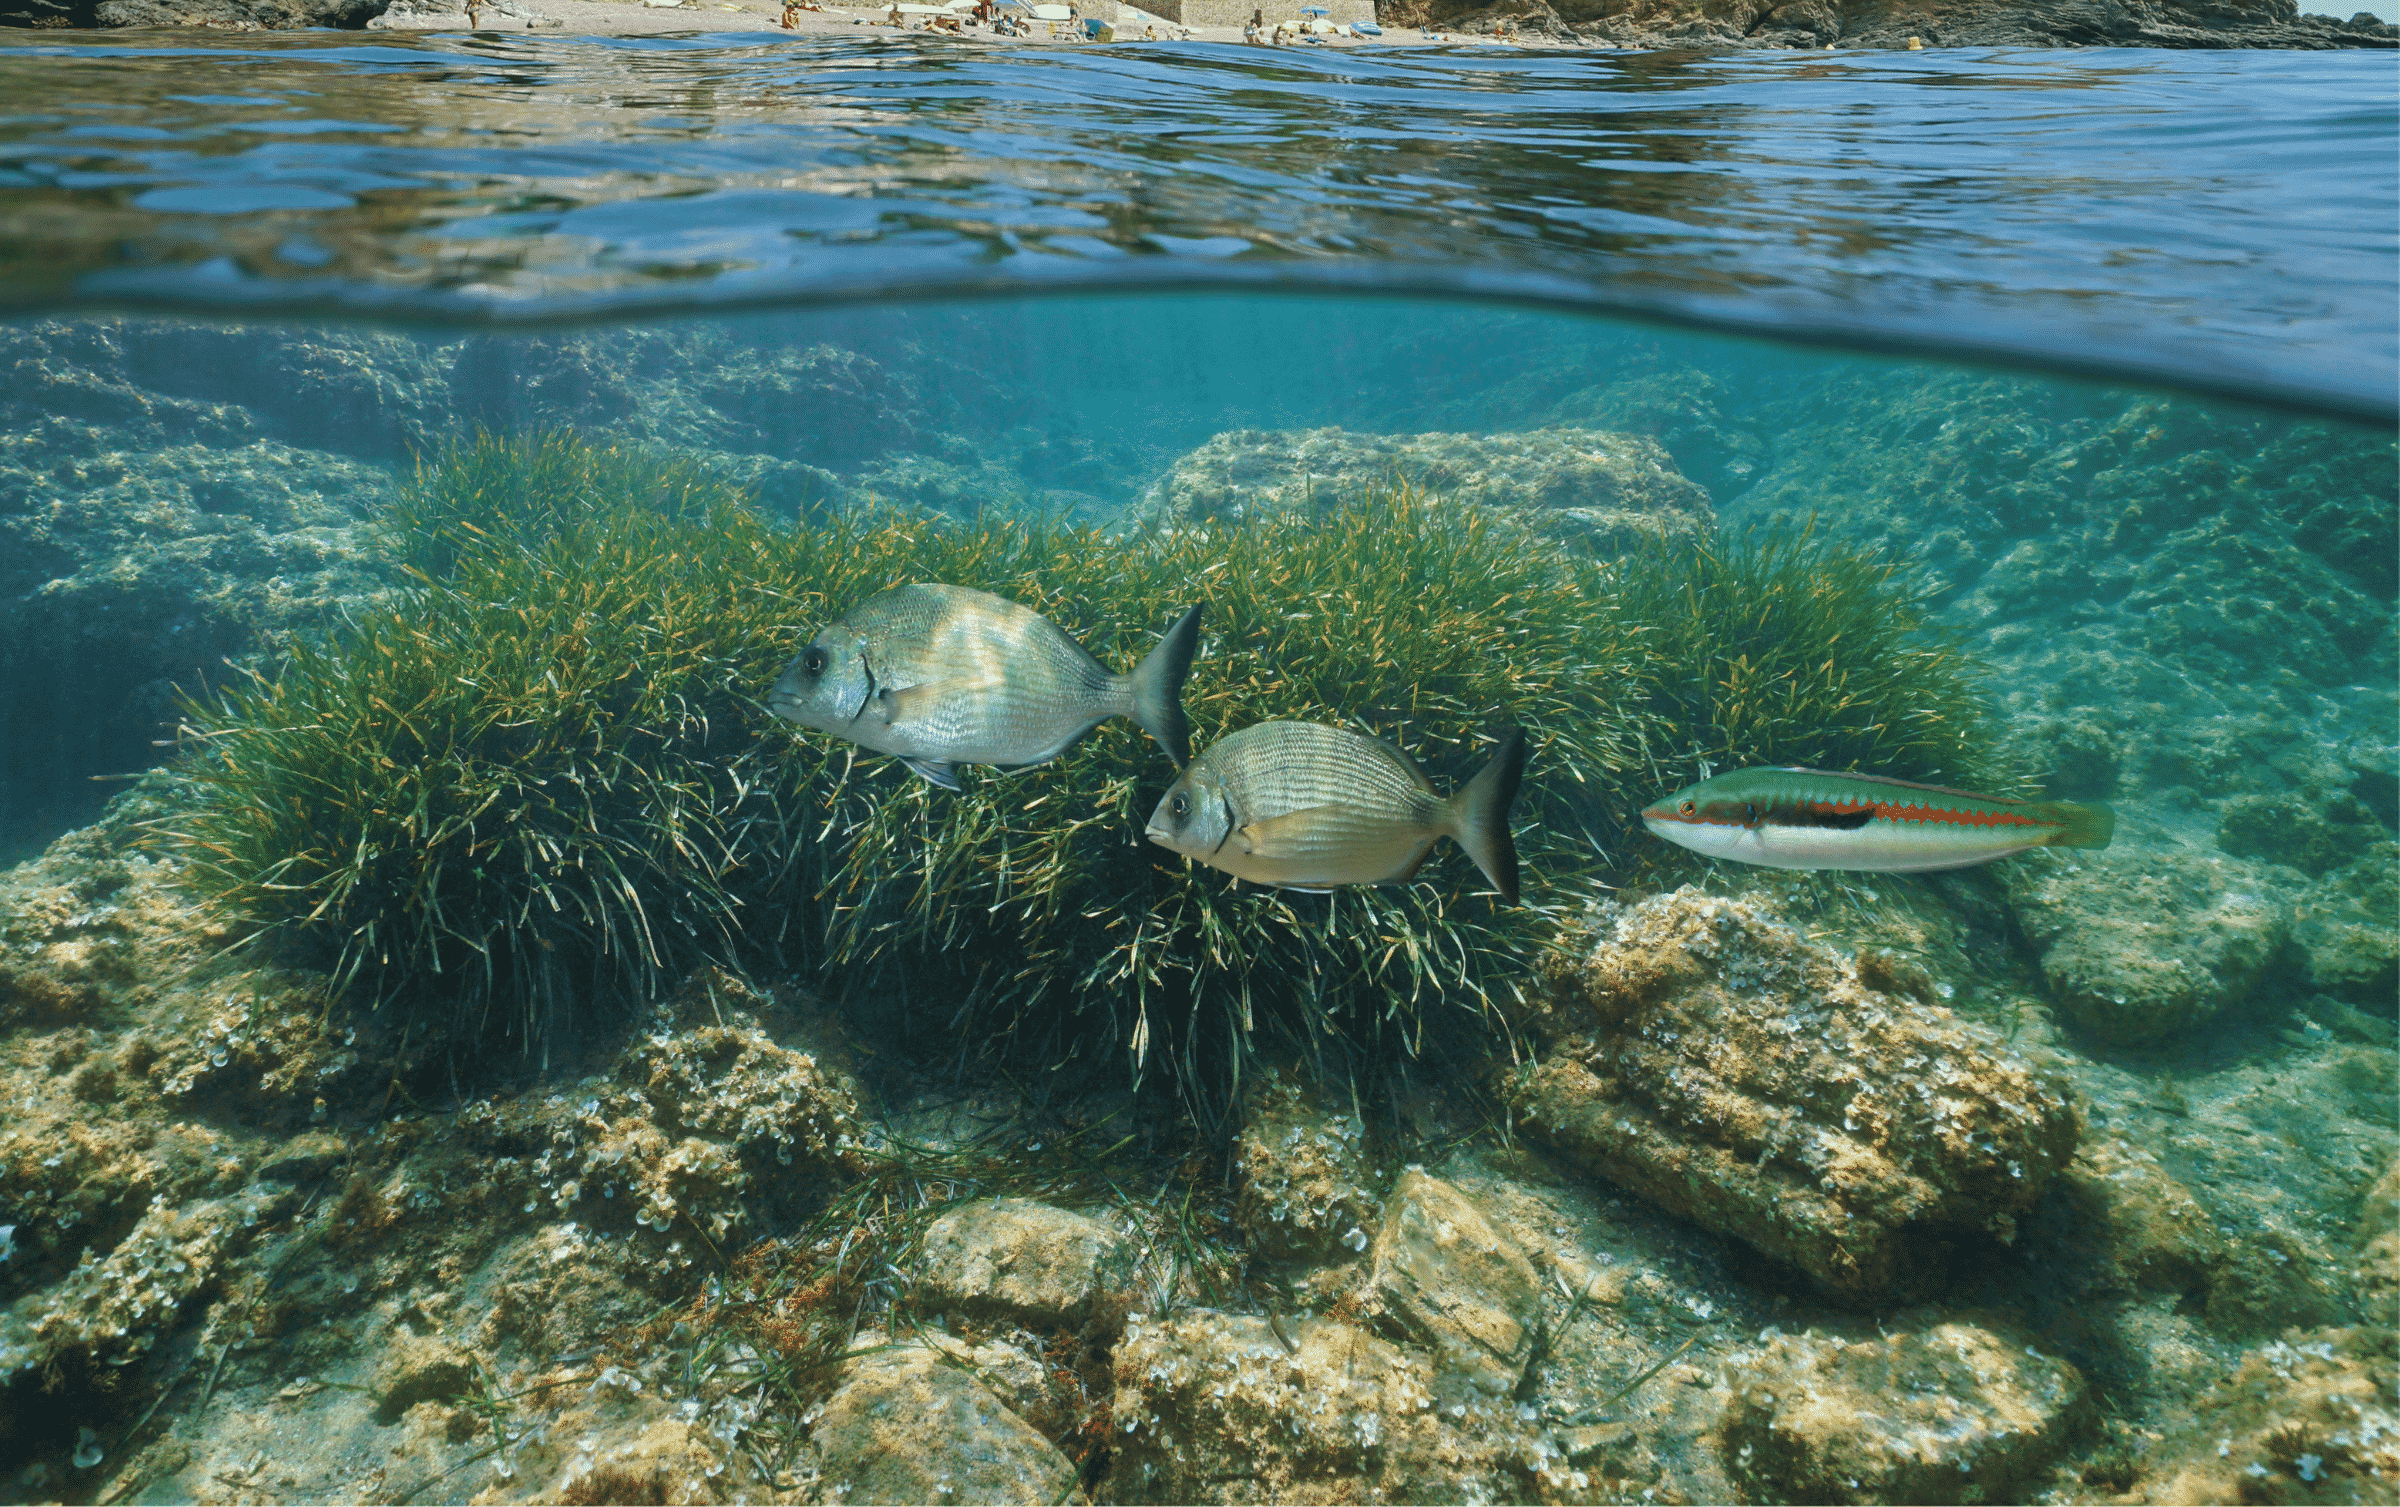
<point>1181,805</point>
<point>813,662</point>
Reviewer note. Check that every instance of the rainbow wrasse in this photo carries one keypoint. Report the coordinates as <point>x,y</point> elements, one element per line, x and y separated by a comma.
<point>1810,819</point>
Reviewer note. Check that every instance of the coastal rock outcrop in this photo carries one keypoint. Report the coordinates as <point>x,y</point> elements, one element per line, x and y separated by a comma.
<point>1717,1062</point>
<point>1601,491</point>
<point>1858,24</point>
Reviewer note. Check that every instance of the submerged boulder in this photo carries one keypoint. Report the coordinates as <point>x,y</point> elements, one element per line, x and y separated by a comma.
<point>1302,1174</point>
<point>1444,1277</point>
<point>1948,1413</point>
<point>1026,1262</point>
<point>2136,951</point>
<point>1717,1062</point>
<point>1598,490</point>
<point>908,1425</point>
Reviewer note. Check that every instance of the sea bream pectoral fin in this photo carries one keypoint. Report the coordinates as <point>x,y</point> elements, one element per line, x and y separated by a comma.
<point>935,772</point>
<point>915,703</point>
<point>1286,836</point>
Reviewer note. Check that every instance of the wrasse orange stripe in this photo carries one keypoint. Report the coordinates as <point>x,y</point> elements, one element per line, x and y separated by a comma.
<point>1897,813</point>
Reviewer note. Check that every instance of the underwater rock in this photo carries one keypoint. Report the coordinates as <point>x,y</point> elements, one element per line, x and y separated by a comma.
<point>1024,1261</point>
<point>173,1117</point>
<point>1443,1277</point>
<point>1686,412</point>
<point>116,384</point>
<point>2269,1282</point>
<point>2378,1236</point>
<point>420,1368</point>
<point>124,575</point>
<point>1301,1174</point>
<point>2314,833</point>
<point>2345,932</point>
<point>1606,492</point>
<point>2154,1235</point>
<point>907,1426</point>
<point>1050,1400</point>
<point>1217,1407</point>
<point>2147,945</point>
<point>1947,1413</point>
<point>111,1310</point>
<point>2311,1417</point>
<point>1715,1061</point>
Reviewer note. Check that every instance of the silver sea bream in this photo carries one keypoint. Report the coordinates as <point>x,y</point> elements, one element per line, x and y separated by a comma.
<point>1310,807</point>
<point>940,676</point>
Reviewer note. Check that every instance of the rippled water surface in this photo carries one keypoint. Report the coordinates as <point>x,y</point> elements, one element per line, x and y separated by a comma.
<point>2216,219</point>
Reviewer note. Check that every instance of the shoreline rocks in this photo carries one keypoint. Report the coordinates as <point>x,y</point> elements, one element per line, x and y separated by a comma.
<point>1895,25</point>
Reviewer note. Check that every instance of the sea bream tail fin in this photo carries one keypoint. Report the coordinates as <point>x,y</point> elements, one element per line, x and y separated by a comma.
<point>1480,809</point>
<point>1157,685</point>
<point>2081,824</point>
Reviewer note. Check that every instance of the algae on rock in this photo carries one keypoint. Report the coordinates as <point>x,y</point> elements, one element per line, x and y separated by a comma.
<point>2134,954</point>
<point>1603,492</point>
<point>1937,1412</point>
<point>1717,1062</point>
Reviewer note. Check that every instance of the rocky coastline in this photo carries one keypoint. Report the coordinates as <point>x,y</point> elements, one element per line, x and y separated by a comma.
<point>1648,25</point>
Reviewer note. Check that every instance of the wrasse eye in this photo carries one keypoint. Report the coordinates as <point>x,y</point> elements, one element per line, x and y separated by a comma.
<point>813,662</point>
<point>1688,807</point>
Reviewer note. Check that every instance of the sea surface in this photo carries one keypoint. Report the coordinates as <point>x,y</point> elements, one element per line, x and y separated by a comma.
<point>2213,219</point>
<point>2091,356</point>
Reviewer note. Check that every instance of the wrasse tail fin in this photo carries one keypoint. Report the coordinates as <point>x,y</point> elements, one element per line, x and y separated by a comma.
<point>1481,811</point>
<point>2082,824</point>
<point>1158,688</point>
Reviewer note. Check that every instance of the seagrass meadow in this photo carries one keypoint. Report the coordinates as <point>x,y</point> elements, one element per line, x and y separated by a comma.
<point>539,786</point>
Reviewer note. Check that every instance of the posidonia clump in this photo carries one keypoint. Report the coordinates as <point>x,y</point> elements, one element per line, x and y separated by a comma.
<point>543,781</point>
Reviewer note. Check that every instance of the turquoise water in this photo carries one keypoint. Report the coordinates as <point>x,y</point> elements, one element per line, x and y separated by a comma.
<point>2094,351</point>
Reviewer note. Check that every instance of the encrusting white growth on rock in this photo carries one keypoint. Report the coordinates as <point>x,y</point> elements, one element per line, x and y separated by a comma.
<point>1947,1413</point>
<point>1717,1062</point>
